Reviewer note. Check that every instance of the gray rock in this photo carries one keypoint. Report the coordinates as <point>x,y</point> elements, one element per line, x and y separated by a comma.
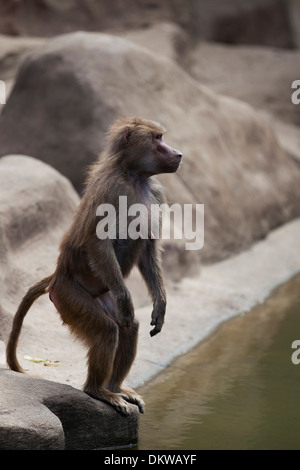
<point>37,414</point>
<point>13,50</point>
<point>239,72</point>
<point>75,85</point>
<point>36,207</point>
<point>269,22</point>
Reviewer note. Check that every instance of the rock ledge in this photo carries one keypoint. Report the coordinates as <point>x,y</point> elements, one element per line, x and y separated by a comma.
<point>38,414</point>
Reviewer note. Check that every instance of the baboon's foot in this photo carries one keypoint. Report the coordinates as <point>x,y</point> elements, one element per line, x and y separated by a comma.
<point>116,400</point>
<point>132,397</point>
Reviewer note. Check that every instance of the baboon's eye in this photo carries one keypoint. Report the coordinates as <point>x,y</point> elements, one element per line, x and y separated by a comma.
<point>158,137</point>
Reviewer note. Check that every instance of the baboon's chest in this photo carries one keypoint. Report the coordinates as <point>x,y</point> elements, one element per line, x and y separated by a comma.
<point>127,252</point>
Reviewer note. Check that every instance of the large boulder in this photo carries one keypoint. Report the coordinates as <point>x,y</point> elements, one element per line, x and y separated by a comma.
<point>36,207</point>
<point>41,415</point>
<point>270,22</point>
<point>69,91</point>
<point>240,72</point>
<point>13,51</point>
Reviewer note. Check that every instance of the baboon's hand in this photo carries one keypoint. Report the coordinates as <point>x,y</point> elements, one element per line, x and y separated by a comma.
<point>157,317</point>
<point>126,309</point>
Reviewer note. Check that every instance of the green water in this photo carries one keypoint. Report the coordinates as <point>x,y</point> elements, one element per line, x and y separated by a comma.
<point>239,389</point>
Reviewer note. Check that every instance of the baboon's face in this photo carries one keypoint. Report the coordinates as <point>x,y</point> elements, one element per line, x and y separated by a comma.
<point>166,159</point>
<point>141,149</point>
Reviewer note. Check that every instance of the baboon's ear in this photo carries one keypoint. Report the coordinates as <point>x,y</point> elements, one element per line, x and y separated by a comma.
<point>126,137</point>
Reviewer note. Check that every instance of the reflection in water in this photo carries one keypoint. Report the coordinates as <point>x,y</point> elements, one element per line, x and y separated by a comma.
<point>237,390</point>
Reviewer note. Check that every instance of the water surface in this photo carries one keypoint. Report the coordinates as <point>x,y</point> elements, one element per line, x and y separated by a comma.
<point>239,389</point>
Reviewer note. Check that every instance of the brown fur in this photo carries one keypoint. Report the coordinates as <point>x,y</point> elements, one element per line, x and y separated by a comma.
<point>88,287</point>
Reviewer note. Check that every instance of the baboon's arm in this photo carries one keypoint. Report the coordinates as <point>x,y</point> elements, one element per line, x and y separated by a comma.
<point>150,268</point>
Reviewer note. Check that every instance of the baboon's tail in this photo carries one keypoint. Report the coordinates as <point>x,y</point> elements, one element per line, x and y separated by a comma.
<point>33,293</point>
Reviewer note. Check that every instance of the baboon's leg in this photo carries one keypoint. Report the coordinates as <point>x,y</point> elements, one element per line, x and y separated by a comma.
<point>100,334</point>
<point>124,358</point>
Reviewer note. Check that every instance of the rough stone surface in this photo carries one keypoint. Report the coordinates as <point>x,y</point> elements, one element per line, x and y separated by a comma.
<point>233,163</point>
<point>239,72</point>
<point>270,22</point>
<point>13,51</point>
<point>37,414</point>
<point>36,207</point>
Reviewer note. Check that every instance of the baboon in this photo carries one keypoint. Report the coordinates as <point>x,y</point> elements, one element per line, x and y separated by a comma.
<point>88,288</point>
